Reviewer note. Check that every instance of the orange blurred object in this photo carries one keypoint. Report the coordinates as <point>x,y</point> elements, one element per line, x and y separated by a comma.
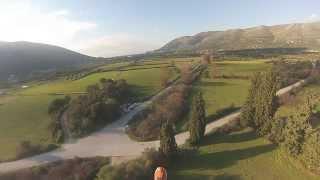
<point>160,174</point>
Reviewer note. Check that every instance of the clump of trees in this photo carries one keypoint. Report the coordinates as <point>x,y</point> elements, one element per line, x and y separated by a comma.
<point>171,107</point>
<point>101,104</point>
<point>291,72</point>
<point>294,133</point>
<point>262,102</point>
<point>197,124</point>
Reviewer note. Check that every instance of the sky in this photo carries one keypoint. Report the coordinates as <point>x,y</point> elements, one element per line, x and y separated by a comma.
<point>120,27</point>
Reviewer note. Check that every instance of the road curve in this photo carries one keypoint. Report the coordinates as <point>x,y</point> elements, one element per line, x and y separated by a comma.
<point>112,140</point>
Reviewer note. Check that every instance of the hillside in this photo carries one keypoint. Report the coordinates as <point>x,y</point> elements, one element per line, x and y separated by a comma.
<point>280,36</point>
<point>19,60</point>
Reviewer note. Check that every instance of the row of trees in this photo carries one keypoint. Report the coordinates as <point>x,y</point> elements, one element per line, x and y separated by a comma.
<point>197,126</point>
<point>294,133</point>
<point>262,102</point>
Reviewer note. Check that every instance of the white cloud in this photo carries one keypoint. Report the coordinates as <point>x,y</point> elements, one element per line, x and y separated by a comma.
<point>116,44</point>
<point>312,18</point>
<point>20,20</point>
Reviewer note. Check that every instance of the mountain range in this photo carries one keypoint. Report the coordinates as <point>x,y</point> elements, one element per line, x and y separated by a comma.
<point>302,35</point>
<point>21,59</point>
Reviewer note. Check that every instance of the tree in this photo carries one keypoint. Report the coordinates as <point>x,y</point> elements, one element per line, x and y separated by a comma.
<point>248,109</point>
<point>311,152</point>
<point>168,145</point>
<point>262,102</point>
<point>266,102</point>
<point>197,125</point>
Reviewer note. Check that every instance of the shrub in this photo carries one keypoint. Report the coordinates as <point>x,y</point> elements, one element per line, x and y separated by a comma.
<point>73,169</point>
<point>25,149</point>
<point>138,169</point>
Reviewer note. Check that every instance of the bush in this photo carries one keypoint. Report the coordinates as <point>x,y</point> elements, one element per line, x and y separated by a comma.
<point>73,169</point>
<point>25,149</point>
<point>138,169</point>
<point>230,127</point>
<point>85,113</point>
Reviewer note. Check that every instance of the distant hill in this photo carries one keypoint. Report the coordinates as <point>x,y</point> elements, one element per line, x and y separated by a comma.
<point>18,60</point>
<point>306,35</point>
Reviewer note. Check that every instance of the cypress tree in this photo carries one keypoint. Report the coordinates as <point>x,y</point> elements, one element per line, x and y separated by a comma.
<point>197,124</point>
<point>266,102</point>
<point>248,109</point>
<point>168,146</point>
<point>262,102</point>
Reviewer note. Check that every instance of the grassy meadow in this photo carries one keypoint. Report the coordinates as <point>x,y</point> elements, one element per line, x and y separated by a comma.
<point>238,156</point>
<point>222,93</point>
<point>23,118</point>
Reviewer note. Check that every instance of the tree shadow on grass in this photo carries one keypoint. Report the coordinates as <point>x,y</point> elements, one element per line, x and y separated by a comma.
<point>212,83</point>
<point>216,138</point>
<point>223,159</point>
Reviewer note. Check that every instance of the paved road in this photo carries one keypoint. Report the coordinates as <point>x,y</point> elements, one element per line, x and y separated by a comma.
<point>113,141</point>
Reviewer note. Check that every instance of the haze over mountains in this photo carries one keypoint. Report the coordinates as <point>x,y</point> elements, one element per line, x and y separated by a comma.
<point>21,59</point>
<point>305,35</point>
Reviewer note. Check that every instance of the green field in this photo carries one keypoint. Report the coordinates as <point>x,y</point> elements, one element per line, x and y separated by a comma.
<point>222,93</point>
<point>23,118</point>
<point>238,156</point>
<point>23,113</point>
